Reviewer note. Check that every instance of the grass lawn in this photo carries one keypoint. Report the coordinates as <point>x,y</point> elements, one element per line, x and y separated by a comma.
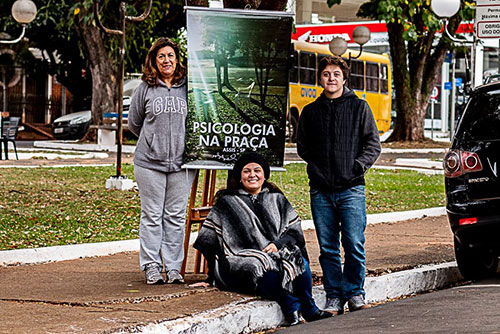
<point>57,206</point>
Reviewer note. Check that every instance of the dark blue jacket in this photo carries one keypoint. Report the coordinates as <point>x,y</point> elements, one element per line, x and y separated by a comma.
<point>339,140</point>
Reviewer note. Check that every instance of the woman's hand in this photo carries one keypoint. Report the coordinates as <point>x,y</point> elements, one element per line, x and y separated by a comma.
<point>271,248</point>
<point>199,285</point>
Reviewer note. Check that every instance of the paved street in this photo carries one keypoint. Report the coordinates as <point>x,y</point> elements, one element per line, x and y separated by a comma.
<point>471,308</point>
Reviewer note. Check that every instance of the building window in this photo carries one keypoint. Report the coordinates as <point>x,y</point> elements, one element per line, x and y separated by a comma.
<point>372,77</point>
<point>307,68</point>
<point>356,75</point>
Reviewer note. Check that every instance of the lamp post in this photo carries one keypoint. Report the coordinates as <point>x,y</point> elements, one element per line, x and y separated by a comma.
<point>23,11</point>
<point>446,9</point>
<point>123,19</point>
<point>360,35</point>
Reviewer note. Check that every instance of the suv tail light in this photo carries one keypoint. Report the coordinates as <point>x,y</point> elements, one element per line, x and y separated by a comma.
<point>457,162</point>
<point>467,221</point>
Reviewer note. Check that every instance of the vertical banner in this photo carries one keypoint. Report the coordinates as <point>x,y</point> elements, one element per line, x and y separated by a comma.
<point>238,85</point>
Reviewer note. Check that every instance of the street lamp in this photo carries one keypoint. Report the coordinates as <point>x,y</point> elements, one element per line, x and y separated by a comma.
<point>446,9</point>
<point>23,11</point>
<point>360,35</point>
<point>338,45</point>
<point>124,19</point>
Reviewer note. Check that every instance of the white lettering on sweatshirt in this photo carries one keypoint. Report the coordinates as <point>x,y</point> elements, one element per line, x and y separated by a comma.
<point>169,104</point>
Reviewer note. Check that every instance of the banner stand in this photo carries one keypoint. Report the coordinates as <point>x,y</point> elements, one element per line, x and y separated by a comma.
<point>197,215</point>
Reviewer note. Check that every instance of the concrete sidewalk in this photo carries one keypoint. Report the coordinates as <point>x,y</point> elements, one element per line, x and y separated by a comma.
<point>108,294</point>
<point>98,288</point>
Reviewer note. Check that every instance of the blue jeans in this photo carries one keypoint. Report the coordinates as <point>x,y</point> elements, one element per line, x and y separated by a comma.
<point>341,216</point>
<point>269,287</point>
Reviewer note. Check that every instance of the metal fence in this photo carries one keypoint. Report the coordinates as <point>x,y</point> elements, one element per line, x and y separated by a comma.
<point>31,97</point>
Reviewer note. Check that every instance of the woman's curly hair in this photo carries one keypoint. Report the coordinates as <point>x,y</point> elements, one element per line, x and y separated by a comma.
<point>150,70</point>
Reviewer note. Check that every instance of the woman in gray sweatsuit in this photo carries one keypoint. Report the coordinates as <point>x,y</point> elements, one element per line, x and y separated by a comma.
<point>157,116</point>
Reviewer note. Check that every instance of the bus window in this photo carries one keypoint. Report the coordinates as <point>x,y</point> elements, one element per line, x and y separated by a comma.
<point>357,74</point>
<point>384,79</point>
<point>321,56</point>
<point>307,68</point>
<point>294,68</point>
<point>372,77</point>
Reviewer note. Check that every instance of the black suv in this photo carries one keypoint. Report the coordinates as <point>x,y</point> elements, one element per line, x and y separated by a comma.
<point>472,181</point>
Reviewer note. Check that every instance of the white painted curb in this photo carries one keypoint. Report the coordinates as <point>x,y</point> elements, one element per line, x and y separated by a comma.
<point>260,315</point>
<point>70,145</point>
<point>415,169</point>
<point>424,163</point>
<point>67,252</point>
<point>53,156</point>
<point>390,217</point>
<point>255,315</point>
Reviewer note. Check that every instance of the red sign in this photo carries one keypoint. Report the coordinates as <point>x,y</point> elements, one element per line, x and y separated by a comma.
<point>324,33</point>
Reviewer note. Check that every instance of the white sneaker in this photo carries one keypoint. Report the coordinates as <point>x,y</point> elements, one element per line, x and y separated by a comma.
<point>334,305</point>
<point>153,275</point>
<point>173,276</point>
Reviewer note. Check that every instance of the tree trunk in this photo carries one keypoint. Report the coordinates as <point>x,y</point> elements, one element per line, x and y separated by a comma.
<point>104,74</point>
<point>409,124</point>
<point>415,72</point>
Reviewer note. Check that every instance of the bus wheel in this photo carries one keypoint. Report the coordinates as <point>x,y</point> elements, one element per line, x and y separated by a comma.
<point>292,126</point>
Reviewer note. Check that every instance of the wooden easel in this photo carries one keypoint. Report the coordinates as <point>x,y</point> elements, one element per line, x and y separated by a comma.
<point>197,215</point>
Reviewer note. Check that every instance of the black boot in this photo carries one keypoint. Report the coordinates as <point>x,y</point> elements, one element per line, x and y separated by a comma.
<point>319,314</point>
<point>291,319</point>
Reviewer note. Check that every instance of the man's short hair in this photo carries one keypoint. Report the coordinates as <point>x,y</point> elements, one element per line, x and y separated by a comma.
<point>334,60</point>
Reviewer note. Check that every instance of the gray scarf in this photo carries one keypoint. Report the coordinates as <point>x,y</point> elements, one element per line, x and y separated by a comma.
<point>239,227</point>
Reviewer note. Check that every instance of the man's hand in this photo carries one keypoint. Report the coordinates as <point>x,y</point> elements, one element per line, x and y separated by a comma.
<point>200,285</point>
<point>271,248</point>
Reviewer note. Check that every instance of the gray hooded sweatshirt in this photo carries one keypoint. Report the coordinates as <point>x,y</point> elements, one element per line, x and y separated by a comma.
<point>157,116</point>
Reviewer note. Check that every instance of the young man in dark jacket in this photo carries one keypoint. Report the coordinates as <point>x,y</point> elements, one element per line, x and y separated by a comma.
<point>339,140</point>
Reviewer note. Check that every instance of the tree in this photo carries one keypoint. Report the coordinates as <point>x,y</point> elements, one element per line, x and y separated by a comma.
<point>66,32</point>
<point>101,50</point>
<point>166,19</point>
<point>83,58</point>
<point>59,45</point>
<point>417,51</point>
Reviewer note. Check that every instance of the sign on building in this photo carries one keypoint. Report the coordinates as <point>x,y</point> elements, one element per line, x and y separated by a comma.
<point>487,19</point>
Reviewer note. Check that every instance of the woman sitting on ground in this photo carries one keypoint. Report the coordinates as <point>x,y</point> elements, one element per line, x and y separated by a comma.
<point>253,242</point>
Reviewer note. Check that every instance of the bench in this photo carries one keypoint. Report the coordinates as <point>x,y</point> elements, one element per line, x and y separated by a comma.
<point>106,132</point>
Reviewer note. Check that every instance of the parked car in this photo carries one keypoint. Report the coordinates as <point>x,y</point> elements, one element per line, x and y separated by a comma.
<point>72,126</point>
<point>129,85</point>
<point>491,78</point>
<point>472,182</point>
<point>76,125</point>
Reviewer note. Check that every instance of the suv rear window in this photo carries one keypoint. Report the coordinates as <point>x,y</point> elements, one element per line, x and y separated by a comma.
<point>481,119</point>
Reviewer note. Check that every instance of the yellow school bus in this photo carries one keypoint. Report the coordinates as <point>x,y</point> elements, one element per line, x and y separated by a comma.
<point>370,78</point>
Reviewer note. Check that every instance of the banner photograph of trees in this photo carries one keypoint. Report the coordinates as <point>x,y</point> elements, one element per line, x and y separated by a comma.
<point>238,83</point>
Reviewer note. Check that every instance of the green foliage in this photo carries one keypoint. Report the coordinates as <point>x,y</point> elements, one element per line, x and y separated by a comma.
<point>53,31</point>
<point>333,2</point>
<point>416,16</point>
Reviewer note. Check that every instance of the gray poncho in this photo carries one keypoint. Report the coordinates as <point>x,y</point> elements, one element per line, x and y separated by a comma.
<point>239,227</point>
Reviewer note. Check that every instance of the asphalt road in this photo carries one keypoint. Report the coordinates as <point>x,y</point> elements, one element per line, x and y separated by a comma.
<point>471,308</point>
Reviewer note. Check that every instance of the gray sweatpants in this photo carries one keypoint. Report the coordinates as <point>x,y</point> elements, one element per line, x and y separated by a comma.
<point>164,199</point>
